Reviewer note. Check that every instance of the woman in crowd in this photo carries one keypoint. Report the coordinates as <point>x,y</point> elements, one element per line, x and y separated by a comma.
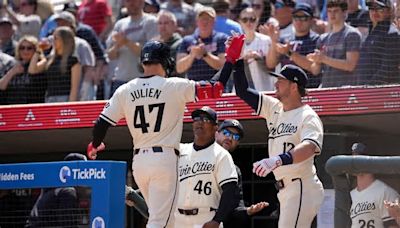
<point>23,86</point>
<point>63,70</point>
<point>255,50</point>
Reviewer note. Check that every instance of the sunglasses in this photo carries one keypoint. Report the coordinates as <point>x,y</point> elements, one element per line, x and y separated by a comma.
<point>28,48</point>
<point>256,6</point>
<point>248,19</point>
<point>204,119</point>
<point>227,133</point>
<point>377,9</point>
<point>301,18</point>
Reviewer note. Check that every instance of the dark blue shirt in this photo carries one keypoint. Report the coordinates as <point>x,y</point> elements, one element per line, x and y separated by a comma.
<point>379,56</point>
<point>215,44</point>
<point>304,45</point>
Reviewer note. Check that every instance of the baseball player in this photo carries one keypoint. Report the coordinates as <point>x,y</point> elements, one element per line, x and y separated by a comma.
<point>153,107</point>
<point>367,207</point>
<point>295,137</point>
<point>208,190</point>
<point>229,134</point>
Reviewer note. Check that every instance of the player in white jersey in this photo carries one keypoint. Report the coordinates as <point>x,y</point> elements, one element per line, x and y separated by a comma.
<point>295,137</point>
<point>367,207</point>
<point>208,190</point>
<point>153,107</point>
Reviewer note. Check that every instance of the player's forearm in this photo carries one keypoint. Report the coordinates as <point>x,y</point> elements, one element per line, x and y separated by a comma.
<point>303,151</point>
<point>250,96</point>
<point>224,74</point>
<point>229,201</point>
<point>99,131</point>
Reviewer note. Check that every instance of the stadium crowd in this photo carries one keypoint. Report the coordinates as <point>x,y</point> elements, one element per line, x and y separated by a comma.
<point>85,51</point>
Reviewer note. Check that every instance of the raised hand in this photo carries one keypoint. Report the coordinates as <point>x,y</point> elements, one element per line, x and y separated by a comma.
<point>234,47</point>
<point>263,167</point>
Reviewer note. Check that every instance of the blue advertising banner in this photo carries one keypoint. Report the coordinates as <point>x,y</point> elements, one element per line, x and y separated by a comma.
<point>105,178</point>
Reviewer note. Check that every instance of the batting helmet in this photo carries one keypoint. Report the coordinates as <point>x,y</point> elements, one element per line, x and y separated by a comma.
<point>157,52</point>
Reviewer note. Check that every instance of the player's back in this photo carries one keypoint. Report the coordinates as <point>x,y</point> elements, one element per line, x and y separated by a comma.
<point>153,108</point>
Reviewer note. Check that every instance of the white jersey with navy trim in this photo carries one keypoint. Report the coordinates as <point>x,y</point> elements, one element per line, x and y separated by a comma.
<point>367,208</point>
<point>153,108</point>
<point>201,175</point>
<point>288,129</point>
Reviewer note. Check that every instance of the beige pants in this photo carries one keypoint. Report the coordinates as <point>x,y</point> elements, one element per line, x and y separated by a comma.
<point>156,176</point>
<point>194,221</point>
<point>300,201</point>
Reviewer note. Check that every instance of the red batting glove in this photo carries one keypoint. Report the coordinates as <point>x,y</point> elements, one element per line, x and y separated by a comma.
<point>92,151</point>
<point>233,51</point>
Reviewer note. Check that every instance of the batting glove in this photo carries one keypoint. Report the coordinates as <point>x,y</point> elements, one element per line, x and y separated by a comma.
<point>92,151</point>
<point>234,49</point>
<point>263,167</point>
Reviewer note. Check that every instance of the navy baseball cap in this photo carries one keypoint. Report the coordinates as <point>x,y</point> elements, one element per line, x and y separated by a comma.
<point>75,157</point>
<point>359,149</point>
<point>303,7</point>
<point>379,3</point>
<point>292,73</point>
<point>232,123</point>
<point>206,110</point>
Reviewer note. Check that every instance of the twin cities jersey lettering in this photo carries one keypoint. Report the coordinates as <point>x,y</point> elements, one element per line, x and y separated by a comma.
<point>153,107</point>
<point>288,129</point>
<point>201,175</point>
<point>367,209</point>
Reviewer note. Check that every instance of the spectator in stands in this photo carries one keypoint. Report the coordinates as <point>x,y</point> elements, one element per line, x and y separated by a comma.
<point>263,10</point>
<point>7,62</point>
<point>367,208</point>
<point>255,51</point>
<point>21,85</point>
<point>337,51</point>
<point>235,7</point>
<point>91,74</point>
<point>63,69</point>
<point>167,26</point>
<point>98,15</point>
<point>201,54</point>
<point>57,207</point>
<point>222,22</point>
<point>127,38</point>
<point>151,6</point>
<point>184,13</point>
<point>28,22</point>
<point>380,52</point>
<point>283,13</point>
<point>7,42</point>
<point>229,134</point>
<point>296,49</point>
<point>358,17</point>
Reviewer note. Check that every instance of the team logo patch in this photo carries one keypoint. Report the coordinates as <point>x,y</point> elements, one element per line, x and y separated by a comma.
<point>65,174</point>
<point>98,222</point>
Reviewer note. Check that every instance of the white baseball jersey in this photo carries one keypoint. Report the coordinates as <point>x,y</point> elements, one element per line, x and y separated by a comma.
<point>288,129</point>
<point>201,175</point>
<point>367,208</point>
<point>153,108</point>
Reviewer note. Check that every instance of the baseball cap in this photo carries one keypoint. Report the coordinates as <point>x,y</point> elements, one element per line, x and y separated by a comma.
<point>70,7</point>
<point>207,10</point>
<point>379,3</point>
<point>5,20</point>
<point>207,111</point>
<point>75,157</point>
<point>67,16</point>
<point>292,73</point>
<point>232,123</point>
<point>303,7</point>
<point>282,3</point>
<point>358,149</point>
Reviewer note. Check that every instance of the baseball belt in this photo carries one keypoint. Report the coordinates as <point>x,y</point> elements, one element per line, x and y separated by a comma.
<point>156,149</point>
<point>280,184</point>
<point>193,211</point>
